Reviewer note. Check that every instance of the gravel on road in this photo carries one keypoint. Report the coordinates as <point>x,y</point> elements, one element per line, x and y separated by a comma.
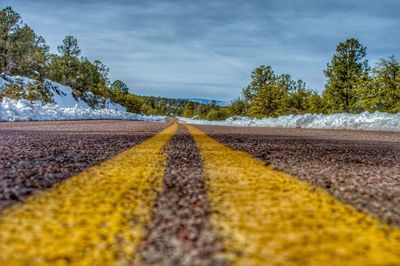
<point>361,168</point>
<point>36,155</point>
<point>180,232</point>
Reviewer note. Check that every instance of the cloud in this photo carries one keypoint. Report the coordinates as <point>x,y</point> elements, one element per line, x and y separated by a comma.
<point>208,49</point>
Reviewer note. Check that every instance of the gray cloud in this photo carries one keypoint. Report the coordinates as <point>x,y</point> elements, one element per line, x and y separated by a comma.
<point>208,48</point>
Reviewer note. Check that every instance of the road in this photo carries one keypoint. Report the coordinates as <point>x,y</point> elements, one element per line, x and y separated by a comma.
<point>136,193</point>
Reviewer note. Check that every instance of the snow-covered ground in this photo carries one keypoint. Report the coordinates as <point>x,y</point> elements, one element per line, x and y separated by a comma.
<point>64,99</point>
<point>366,121</point>
<point>62,95</point>
<point>65,107</point>
<point>23,110</point>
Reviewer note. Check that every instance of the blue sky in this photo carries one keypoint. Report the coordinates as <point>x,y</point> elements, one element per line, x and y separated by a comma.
<point>208,48</point>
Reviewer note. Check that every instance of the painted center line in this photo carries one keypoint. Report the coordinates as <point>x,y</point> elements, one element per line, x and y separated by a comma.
<point>259,215</point>
<point>93,218</point>
<point>266,217</point>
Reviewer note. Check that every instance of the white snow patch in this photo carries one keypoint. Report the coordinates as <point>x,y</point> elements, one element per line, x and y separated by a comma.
<point>364,121</point>
<point>62,95</point>
<point>3,83</point>
<point>24,110</point>
<point>65,106</point>
<point>65,99</point>
<point>116,107</point>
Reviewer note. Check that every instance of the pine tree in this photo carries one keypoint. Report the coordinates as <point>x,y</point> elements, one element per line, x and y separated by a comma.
<point>267,93</point>
<point>33,91</point>
<point>119,87</point>
<point>347,69</point>
<point>92,83</point>
<point>298,98</point>
<point>189,109</point>
<point>30,54</point>
<point>381,92</point>
<point>133,103</point>
<point>10,25</point>
<point>100,81</point>
<point>69,47</point>
<point>22,52</point>
<point>238,107</point>
<point>88,80</point>
<point>259,77</point>
<point>64,68</point>
<point>315,104</point>
<point>270,101</point>
<point>119,91</point>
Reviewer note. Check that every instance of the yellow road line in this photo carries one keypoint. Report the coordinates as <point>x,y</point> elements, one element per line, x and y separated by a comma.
<point>266,217</point>
<point>93,218</point>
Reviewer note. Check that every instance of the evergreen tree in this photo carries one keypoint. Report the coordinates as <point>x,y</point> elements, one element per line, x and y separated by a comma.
<point>69,47</point>
<point>133,103</point>
<point>267,93</point>
<point>189,109</point>
<point>149,106</point>
<point>217,114</point>
<point>287,84</point>
<point>22,52</point>
<point>238,107</point>
<point>118,87</point>
<point>10,25</point>
<point>268,101</point>
<point>101,82</point>
<point>260,77</point>
<point>92,83</point>
<point>298,98</point>
<point>346,71</point>
<point>315,104</point>
<point>381,92</point>
<point>88,80</point>
<point>162,107</point>
<point>33,91</point>
<point>65,68</point>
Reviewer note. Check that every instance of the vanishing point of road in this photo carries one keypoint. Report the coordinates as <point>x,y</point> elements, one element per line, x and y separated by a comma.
<point>147,193</point>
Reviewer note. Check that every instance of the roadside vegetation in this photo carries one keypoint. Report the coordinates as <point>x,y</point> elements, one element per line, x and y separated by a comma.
<point>24,53</point>
<point>353,86</point>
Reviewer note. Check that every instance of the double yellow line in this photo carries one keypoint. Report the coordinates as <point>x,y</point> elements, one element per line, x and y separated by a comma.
<point>93,218</point>
<point>266,217</point>
<point>262,216</point>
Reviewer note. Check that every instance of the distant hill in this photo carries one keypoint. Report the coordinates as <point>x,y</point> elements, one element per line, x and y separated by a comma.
<point>207,101</point>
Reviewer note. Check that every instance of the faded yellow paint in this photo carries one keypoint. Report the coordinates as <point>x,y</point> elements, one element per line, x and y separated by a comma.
<point>266,217</point>
<point>93,218</point>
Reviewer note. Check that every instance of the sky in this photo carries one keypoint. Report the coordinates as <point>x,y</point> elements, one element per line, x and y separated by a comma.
<point>208,48</point>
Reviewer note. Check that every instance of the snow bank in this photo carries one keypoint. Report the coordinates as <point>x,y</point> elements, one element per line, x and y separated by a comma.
<point>3,83</point>
<point>65,106</point>
<point>62,95</point>
<point>64,99</point>
<point>366,121</point>
<point>23,110</point>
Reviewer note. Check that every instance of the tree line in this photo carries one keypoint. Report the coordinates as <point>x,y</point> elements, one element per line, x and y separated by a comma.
<point>24,53</point>
<point>353,86</point>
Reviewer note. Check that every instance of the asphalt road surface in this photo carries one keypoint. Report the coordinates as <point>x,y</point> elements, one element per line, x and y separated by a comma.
<point>36,155</point>
<point>137,193</point>
<point>361,168</point>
